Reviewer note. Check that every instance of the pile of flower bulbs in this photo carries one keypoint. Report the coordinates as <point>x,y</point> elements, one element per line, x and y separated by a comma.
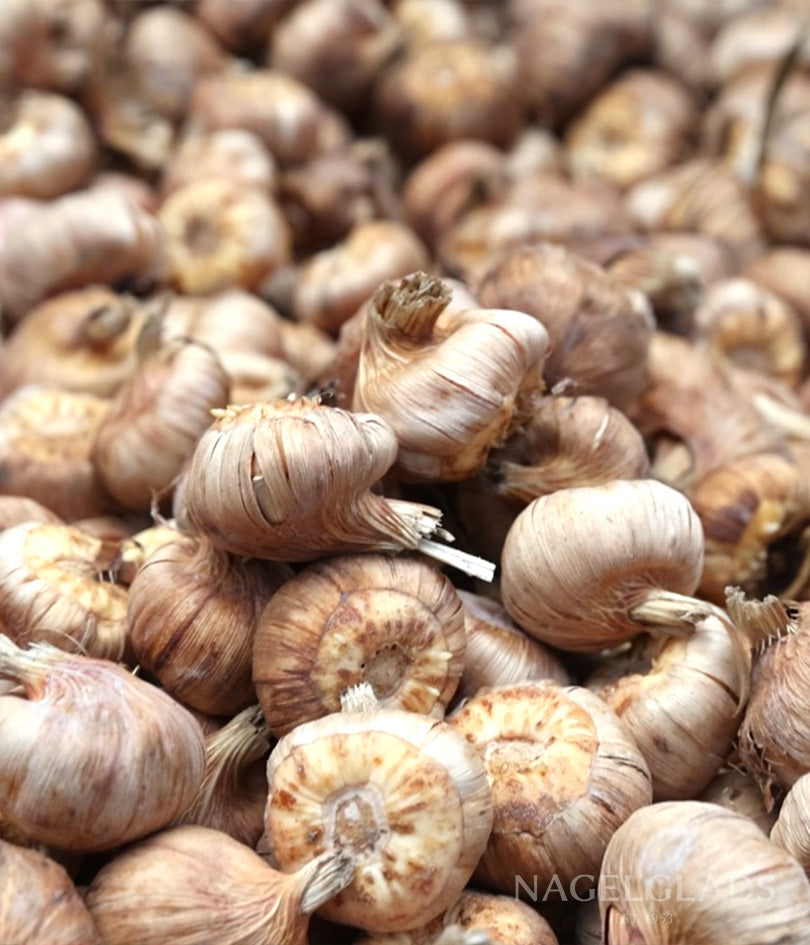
<point>404,472</point>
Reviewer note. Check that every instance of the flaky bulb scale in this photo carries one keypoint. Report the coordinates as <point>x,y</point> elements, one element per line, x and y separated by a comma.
<point>39,904</point>
<point>53,589</point>
<point>590,567</point>
<point>403,793</point>
<point>393,622</point>
<point>196,885</point>
<point>792,828</point>
<point>449,386</point>
<point>738,791</point>
<point>709,869</point>
<point>291,481</point>
<point>192,611</point>
<point>93,757</point>
<point>157,417</point>
<point>564,773</point>
<point>684,711</point>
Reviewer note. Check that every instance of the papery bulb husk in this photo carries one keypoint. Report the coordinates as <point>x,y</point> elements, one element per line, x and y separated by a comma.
<point>47,147</point>
<point>283,112</point>
<point>53,589</point>
<point>16,509</point>
<point>791,831</point>
<point>638,125</point>
<point>192,614</point>
<point>156,419</point>
<point>81,341</point>
<point>168,50</point>
<point>336,48</point>
<point>195,885</point>
<point>598,330</point>
<point>448,182</point>
<point>780,269</point>
<point>709,869</point>
<point>695,430</point>
<point>568,441</point>
<point>566,586</point>
<point>134,549</point>
<point>543,207</point>
<point>242,27</point>
<point>47,440</point>
<point>401,792</point>
<point>290,481</point>
<point>752,38</point>
<point>222,234</point>
<point>498,652</point>
<point>774,745</point>
<point>449,91</point>
<point>336,281</point>
<point>753,328</point>
<point>257,378</point>
<point>755,513</point>
<point>233,153</point>
<point>87,237</point>
<point>432,20</point>
<point>308,349</point>
<point>685,711</point>
<point>112,531</point>
<point>394,622</point>
<point>739,792</point>
<point>564,774</point>
<point>450,391</point>
<point>702,195</point>
<point>39,905</point>
<point>233,792</point>
<point>94,757</point>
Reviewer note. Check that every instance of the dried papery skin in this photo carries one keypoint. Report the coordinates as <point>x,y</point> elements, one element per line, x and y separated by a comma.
<point>598,330</point>
<point>755,513</point>
<point>84,238</point>
<point>16,509</point>
<point>53,589</point>
<point>738,791</point>
<point>168,50</point>
<point>448,91</point>
<point>450,389</point>
<point>232,152</point>
<point>94,757</point>
<point>192,613</point>
<point>499,653</point>
<point>325,198</point>
<point>135,549</point>
<point>757,37</point>
<point>242,25</point>
<point>81,341</point>
<point>156,419</point>
<point>139,191</point>
<point>581,47</point>
<point>429,21</point>
<point>39,904</point>
<point>580,566</point>
<point>299,487</point>
<point>70,48</point>
<point>401,792</point>
<point>564,774</point>
<point>335,47</point>
<point>21,28</point>
<point>792,828</point>
<point>753,328</point>
<point>192,884</point>
<point>257,377</point>
<point>448,182</point>
<point>702,194</point>
<point>505,919</point>
<point>638,125</point>
<point>307,349</point>
<point>773,741</point>
<point>541,207</point>
<point>283,112</point>
<point>568,441</point>
<point>335,282</point>
<point>709,868</point>
<point>47,147</point>
<point>222,234</point>
<point>394,622</point>
<point>781,269</point>
<point>233,792</point>
<point>682,50</point>
<point>685,711</point>
<point>47,440</point>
